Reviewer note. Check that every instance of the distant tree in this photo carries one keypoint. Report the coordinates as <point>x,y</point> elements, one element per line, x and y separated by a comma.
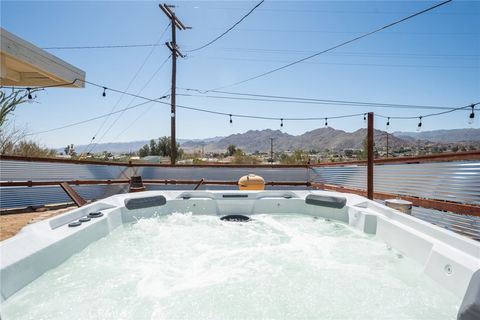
<point>154,150</point>
<point>144,151</point>
<point>31,149</point>
<point>9,101</point>
<point>70,150</point>
<point>242,158</point>
<point>164,146</point>
<point>231,150</point>
<point>364,154</point>
<point>107,155</point>
<point>348,152</point>
<point>9,137</point>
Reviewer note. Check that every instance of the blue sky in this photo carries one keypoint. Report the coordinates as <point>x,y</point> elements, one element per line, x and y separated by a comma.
<point>433,59</point>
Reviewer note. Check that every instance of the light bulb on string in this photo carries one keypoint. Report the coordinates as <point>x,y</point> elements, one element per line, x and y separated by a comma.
<point>104,94</point>
<point>281,123</point>
<point>388,123</point>
<point>365,119</point>
<point>231,121</point>
<point>471,117</point>
<point>419,126</point>
<point>29,94</point>
<point>326,122</point>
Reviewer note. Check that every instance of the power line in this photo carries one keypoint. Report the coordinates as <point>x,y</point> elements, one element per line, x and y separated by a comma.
<point>121,96</point>
<point>349,53</point>
<point>248,116</point>
<point>133,122</point>
<point>431,114</point>
<point>312,100</point>
<point>229,29</point>
<point>131,101</point>
<point>349,64</point>
<point>336,46</point>
<point>290,30</point>
<point>103,46</point>
<point>94,118</point>
<point>290,10</point>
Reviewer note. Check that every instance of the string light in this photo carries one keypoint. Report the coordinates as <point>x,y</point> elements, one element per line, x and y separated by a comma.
<point>471,118</point>
<point>104,94</point>
<point>29,93</point>
<point>388,122</point>
<point>419,127</point>
<point>365,117</point>
<point>281,122</point>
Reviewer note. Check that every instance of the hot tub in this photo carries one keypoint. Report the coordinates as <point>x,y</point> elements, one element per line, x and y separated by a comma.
<point>302,254</point>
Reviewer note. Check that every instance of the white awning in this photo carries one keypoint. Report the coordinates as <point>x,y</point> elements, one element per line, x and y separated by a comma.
<point>25,65</point>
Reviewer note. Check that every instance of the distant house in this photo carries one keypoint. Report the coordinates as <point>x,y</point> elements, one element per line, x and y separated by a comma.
<point>156,159</point>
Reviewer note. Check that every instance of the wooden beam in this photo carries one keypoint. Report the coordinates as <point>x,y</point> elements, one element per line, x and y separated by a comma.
<point>76,198</point>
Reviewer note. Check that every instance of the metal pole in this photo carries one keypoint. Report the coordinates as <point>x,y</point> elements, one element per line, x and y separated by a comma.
<point>370,156</point>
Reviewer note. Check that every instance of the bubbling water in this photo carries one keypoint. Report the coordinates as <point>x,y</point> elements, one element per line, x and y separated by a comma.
<point>184,266</point>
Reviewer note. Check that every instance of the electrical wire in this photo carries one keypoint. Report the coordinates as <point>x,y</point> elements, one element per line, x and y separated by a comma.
<point>431,114</point>
<point>104,46</point>
<point>131,101</point>
<point>91,143</point>
<point>416,66</point>
<point>94,118</point>
<point>134,121</point>
<point>271,98</point>
<point>472,106</point>
<point>229,29</point>
<point>335,47</point>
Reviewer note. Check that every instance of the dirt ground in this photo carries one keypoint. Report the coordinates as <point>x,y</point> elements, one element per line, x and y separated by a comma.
<point>10,224</point>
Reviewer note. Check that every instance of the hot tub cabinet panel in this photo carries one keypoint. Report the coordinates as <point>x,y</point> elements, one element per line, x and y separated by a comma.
<point>448,258</point>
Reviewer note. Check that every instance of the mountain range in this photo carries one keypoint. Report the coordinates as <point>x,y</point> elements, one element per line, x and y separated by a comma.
<point>318,139</point>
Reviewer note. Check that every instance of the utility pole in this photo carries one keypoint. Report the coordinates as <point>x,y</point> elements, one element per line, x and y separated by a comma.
<point>172,45</point>
<point>271,150</point>
<point>370,156</point>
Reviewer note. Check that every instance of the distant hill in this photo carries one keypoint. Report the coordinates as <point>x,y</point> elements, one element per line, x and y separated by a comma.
<point>132,146</point>
<point>444,136</point>
<point>318,139</point>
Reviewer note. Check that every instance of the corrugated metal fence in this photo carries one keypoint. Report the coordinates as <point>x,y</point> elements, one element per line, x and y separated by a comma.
<point>19,197</point>
<point>457,181</point>
<point>451,181</point>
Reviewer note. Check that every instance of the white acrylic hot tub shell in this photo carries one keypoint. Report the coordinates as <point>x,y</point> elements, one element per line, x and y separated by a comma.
<point>448,258</point>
